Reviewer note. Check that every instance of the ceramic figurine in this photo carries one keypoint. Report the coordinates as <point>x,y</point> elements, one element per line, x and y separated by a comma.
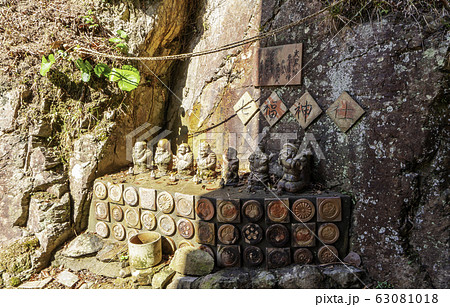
<point>296,172</point>
<point>163,157</point>
<point>185,160</point>
<point>142,157</point>
<point>206,162</point>
<point>230,167</point>
<point>259,169</point>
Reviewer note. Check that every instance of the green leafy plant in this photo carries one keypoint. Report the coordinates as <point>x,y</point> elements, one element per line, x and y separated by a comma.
<point>86,69</point>
<point>47,64</point>
<point>123,258</point>
<point>120,41</point>
<point>101,69</point>
<point>90,20</point>
<point>127,78</point>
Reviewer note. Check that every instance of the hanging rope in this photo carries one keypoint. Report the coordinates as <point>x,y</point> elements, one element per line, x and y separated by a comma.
<point>214,50</point>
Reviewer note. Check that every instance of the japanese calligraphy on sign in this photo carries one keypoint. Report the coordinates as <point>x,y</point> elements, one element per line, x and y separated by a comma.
<point>273,108</point>
<point>345,112</point>
<point>245,108</point>
<point>279,65</point>
<point>305,110</point>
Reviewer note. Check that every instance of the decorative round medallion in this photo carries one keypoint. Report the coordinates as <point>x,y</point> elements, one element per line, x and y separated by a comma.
<point>115,192</point>
<point>303,210</point>
<point>328,233</point>
<point>253,255</point>
<point>167,225</point>
<point>118,232</point>
<point>227,211</point>
<point>277,235</point>
<point>252,233</point>
<point>165,202</point>
<point>101,211</point>
<point>205,233</point>
<point>132,217</point>
<point>130,196</point>
<point>228,234</point>
<point>117,213</point>
<point>185,243</point>
<point>205,209</point>
<point>303,236</point>
<point>148,220</point>
<point>185,228</point>
<point>277,258</point>
<point>184,207</point>
<point>252,210</point>
<point>207,249</point>
<point>102,229</point>
<point>329,210</point>
<point>277,211</point>
<point>303,256</point>
<point>327,254</point>
<point>100,190</point>
<point>229,256</point>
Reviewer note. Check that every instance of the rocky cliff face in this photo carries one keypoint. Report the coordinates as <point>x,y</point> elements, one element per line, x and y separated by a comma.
<point>393,162</point>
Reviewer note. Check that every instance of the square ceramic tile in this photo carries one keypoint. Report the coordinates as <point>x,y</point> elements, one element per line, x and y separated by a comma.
<point>184,205</point>
<point>280,65</point>
<point>305,110</point>
<point>303,235</point>
<point>329,209</point>
<point>277,257</point>
<point>245,108</point>
<point>147,198</point>
<point>345,112</point>
<point>205,233</point>
<point>273,108</point>
<point>277,210</point>
<point>228,255</point>
<point>228,211</point>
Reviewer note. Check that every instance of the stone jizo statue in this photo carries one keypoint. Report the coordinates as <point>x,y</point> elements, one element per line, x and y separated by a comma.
<point>206,162</point>
<point>185,160</point>
<point>296,169</point>
<point>163,157</point>
<point>142,157</point>
<point>230,167</point>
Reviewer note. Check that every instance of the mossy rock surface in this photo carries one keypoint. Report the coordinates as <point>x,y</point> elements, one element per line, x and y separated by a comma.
<point>16,258</point>
<point>192,261</point>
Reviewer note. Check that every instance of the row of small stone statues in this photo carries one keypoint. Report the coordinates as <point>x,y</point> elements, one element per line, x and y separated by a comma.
<point>295,165</point>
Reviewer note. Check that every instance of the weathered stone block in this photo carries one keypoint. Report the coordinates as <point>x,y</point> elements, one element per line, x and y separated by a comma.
<point>192,261</point>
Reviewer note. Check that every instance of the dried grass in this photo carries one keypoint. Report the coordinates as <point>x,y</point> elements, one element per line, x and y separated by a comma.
<point>32,29</point>
<point>358,11</point>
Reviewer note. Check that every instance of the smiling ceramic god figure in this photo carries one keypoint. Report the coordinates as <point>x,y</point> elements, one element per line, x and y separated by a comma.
<point>142,157</point>
<point>206,162</point>
<point>163,157</point>
<point>185,160</point>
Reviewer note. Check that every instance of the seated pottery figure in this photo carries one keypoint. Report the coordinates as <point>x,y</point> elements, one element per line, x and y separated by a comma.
<point>206,162</point>
<point>185,160</point>
<point>230,167</point>
<point>259,169</point>
<point>163,157</point>
<point>296,172</point>
<point>142,157</point>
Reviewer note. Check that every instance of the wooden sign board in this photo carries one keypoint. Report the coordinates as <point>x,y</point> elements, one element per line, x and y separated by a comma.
<point>280,65</point>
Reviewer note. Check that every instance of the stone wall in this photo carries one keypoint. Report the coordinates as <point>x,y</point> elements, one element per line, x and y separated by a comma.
<point>392,161</point>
